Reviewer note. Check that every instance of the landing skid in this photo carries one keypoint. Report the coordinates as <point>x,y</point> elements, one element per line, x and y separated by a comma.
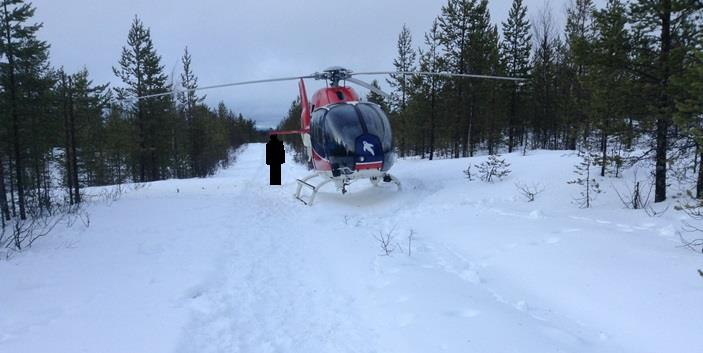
<point>313,188</point>
<point>387,178</point>
<point>341,184</point>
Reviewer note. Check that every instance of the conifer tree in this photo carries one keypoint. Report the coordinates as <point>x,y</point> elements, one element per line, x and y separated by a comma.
<point>665,34</point>
<point>609,82</point>
<point>689,109</point>
<point>543,81</point>
<point>26,64</point>
<point>291,121</point>
<point>470,43</point>
<point>405,61</point>
<point>82,108</point>
<point>578,39</point>
<point>188,101</point>
<point>141,71</point>
<point>584,178</point>
<point>516,48</point>
<point>400,83</point>
<point>374,97</point>
<point>431,87</point>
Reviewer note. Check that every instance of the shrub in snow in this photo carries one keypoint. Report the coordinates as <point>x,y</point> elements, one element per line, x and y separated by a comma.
<point>529,192</point>
<point>638,198</point>
<point>589,186</point>
<point>467,173</point>
<point>493,168</point>
<point>19,234</point>
<point>386,241</point>
<point>411,235</point>
<point>695,212</point>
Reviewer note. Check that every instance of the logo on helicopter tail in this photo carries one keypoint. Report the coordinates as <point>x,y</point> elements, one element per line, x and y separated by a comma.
<point>369,148</point>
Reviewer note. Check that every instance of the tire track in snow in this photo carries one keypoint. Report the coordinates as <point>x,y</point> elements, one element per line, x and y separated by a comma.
<point>270,295</point>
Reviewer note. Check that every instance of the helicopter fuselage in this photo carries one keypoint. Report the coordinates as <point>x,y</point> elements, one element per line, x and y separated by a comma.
<point>346,137</point>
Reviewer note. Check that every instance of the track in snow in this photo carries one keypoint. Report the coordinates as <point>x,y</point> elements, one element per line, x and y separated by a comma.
<point>231,264</point>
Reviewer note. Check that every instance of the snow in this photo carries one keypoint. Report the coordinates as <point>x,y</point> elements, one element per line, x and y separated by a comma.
<point>231,264</point>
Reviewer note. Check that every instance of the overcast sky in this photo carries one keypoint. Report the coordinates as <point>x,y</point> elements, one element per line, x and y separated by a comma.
<point>246,39</point>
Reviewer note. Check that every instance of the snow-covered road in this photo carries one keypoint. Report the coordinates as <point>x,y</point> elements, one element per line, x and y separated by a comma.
<point>231,264</point>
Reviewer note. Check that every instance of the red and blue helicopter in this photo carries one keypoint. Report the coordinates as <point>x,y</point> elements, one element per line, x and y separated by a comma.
<point>346,139</point>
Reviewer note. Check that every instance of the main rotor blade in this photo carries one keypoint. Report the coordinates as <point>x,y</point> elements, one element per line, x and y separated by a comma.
<point>369,86</point>
<point>225,85</point>
<point>445,74</point>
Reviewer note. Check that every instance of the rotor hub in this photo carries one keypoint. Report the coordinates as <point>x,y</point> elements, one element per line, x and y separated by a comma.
<point>333,74</point>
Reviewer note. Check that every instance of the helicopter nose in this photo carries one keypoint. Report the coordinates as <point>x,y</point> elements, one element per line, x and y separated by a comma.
<point>368,152</point>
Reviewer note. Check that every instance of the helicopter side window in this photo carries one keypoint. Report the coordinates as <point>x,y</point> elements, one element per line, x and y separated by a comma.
<point>373,122</point>
<point>342,127</point>
<point>317,132</point>
<point>377,123</point>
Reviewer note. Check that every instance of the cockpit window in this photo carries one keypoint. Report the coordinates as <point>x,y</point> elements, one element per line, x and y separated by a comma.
<point>376,123</point>
<point>343,124</point>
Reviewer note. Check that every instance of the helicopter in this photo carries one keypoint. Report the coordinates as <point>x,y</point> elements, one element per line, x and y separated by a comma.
<point>345,139</point>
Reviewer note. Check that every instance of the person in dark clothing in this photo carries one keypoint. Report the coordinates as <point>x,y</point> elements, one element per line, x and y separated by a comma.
<point>275,156</point>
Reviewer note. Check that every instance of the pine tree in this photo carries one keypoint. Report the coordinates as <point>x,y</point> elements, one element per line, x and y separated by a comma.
<point>608,80</point>
<point>578,38</point>
<point>470,43</point>
<point>585,179</point>
<point>431,87</point>
<point>454,24</point>
<point>665,34</point>
<point>544,80</point>
<point>515,55</point>
<point>141,71</point>
<point>291,121</point>
<point>374,97</point>
<point>689,109</point>
<point>26,64</point>
<point>400,83</point>
<point>188,100</point>
<point>494,167</point>
<point>82,105</point>
<point>404,62</point>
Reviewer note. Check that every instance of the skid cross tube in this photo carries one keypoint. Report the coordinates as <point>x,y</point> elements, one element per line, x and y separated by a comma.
<point>314,188</point>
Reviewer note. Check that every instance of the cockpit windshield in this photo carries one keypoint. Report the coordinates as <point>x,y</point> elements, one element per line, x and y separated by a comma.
<point>344,123</point>
<point>376,123</point>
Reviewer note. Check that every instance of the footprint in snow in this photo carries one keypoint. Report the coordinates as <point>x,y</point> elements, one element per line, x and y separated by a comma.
<point>625,228</point>
<point>536,214</point>
<point>470,276</point>
<point>464,313</point>
<point>552,240</point>
<point>521,305</point>
<point>406,319</point>
<point>470,313</point>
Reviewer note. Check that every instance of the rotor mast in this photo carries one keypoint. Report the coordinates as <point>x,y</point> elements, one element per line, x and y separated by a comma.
<point>333,74</point>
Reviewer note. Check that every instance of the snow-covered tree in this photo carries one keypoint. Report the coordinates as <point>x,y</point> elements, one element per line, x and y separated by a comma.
<point>584,178</point>
<point>493,168</point>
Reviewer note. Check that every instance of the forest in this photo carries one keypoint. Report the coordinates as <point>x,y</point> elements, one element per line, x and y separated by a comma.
<point>620,84</point>
<point>61,132</point>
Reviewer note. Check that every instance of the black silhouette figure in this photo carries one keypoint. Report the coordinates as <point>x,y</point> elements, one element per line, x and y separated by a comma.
<point>275,156</point>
